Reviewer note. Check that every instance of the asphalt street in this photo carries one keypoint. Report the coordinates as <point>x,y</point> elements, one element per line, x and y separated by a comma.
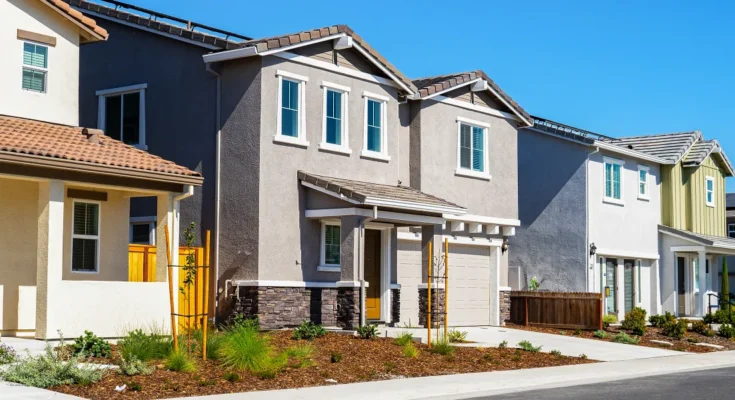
<point>708,384</point>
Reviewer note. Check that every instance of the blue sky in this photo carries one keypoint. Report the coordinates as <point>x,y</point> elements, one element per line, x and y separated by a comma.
<point>616,68</point>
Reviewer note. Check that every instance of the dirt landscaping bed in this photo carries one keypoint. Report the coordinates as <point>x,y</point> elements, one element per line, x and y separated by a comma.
<point>361,360</point>
<point>687,344</point>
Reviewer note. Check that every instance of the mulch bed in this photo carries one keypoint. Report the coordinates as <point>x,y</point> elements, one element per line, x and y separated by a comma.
<point>363,360</point>
<point>651,334</point>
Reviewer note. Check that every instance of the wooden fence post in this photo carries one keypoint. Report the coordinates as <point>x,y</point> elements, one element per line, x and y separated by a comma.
<point>526,313</point>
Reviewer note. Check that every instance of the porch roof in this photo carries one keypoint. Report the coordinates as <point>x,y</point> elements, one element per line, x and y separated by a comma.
<point>381,195</point>
<point>717,242</point>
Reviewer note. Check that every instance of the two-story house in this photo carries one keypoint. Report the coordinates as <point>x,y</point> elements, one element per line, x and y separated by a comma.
<point>330,168</point>
<point>65,190</point>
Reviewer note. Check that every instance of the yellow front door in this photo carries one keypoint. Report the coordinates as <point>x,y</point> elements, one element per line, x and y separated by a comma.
<point>372,274</point>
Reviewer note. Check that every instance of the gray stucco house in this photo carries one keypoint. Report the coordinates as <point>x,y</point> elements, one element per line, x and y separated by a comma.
<point>329,171</point>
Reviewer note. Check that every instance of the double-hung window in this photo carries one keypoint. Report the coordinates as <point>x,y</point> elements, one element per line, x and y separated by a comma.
<point>85,237</point>
<point>643,173</point>
<point>330,248</point>
<point>121,114</point>
<point>613,180</point>
<point>472,149</point>
<point>731,230</point>
<point>375,143</point>
<point>334,125</point>
<point>35,67</point>
<point>710,191</point>
<point>291,123</point>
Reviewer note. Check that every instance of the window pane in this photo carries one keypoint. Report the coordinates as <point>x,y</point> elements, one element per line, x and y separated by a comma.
<point>35,55</point>
<point>478,149</point>
<point>608,180</point>
<point>334,129</point>
<point>289,123</point>
<point>290,108</point>
<point>141,233</point>
<point>373,121</point>
<point>465,146</point>
<point>113,112</point>
<point>710,185</point>
<point>616,181</point>
<point>86,219</point>
<point>331,244</point>
<point>84,255</point>
<point>334,117</point>
<point>131,118</point>
<point>642,189</point>
<point>374,139</point>
<point>34,80</point>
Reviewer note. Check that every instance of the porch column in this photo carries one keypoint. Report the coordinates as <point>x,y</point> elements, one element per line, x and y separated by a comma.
<point>702,278</point>
<point>49,257</point>
<point>349,299</point>
<point>495,287</point>
<point>657,292</point>
<point>164,218</point>
<point>620,287</point>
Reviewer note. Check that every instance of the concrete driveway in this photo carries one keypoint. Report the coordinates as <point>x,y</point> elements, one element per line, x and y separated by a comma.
<point>567,345</point>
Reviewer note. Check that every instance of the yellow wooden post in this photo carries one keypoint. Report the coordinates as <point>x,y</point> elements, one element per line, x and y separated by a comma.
<point>205,326</point>
<point>446,288</point>
<point>428,291</point>
<point>171,290</point>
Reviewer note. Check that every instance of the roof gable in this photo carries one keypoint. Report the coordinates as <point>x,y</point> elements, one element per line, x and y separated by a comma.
<point>92,31</point>
<point>669,147</point>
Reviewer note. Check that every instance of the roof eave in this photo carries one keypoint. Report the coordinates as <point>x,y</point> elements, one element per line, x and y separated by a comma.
<point>632,153</point>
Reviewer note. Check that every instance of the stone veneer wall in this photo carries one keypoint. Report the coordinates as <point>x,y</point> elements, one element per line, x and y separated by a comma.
<point>504,306</point>
<point>437,306</point>
<point>395,307</point>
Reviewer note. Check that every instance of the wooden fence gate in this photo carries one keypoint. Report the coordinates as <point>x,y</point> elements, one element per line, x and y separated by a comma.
<point>563,310</point>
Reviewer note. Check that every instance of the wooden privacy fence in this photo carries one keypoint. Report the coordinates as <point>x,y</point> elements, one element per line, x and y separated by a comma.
<point>563,310</point>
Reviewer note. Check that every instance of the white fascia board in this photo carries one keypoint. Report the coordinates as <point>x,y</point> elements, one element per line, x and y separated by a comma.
<point>302,44</point>
<point>409,218</point>
<point>688,249</point>
<point>473,122</point>
<point>439,93</point>
<point>688,239</point>
<point>475,107</point>
<point>456,240</point>
<point>335,68</point>
<point>631,153</point>
<point>230,54</point>
<point>383,68</point>
<point>330,193</point>
<point>337,212</point>
<point>482,219</point>
<point>612,253</point>
<point>120,90</point>
<point>410,205</point>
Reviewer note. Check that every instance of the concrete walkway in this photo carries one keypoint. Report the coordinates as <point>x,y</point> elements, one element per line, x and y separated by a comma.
<point>568,345</point>
<point>14,391</point>
<point>494,383</point>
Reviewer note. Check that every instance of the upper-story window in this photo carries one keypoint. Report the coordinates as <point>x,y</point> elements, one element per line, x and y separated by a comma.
<point>613,180</point>
<point>375,143</point>
<point>335,127</point>
<point>731,230</point>
<point>710,191</point>
<point>291,114</point>
<point>121,114</point>
<point>472,147</point>
<point>35,67</point>
<point>643,173</point>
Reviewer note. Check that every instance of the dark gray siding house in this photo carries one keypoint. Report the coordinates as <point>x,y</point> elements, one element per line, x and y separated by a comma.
<point>730,233</point>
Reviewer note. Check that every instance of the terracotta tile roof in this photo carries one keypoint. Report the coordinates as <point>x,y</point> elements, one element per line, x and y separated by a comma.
<point>276,42</point>
<point>80,146</point>
<point>430,85</point>
<point>365,191</point>
<point>152,22</point>
<point>64,8</point>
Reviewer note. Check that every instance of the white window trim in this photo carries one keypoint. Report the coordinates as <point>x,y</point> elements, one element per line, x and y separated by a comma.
<point>469,172</point>
<point>382,155</point>
<point>301,80</point>
<point>323,266</point>
<point>647,195</point>
<point>98,238</point>
<point>41,69</point>
<point>102,98</point>
<point>714,191</point>
<point>605,198</point>
<point>344,148</point>
<point>151,221</point>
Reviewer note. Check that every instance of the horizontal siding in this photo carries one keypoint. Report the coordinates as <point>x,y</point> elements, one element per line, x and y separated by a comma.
<point>350,58</point>
<point>483,99</point>
<point>462,94</point>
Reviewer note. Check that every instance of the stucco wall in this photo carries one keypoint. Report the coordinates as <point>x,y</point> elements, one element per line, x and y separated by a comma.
<point>551,244</point>
<point>60,102</point>
<point>668,270</point>
<point>18,213</point>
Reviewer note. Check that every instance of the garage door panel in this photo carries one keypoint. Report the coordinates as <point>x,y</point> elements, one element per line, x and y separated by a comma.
<point>409,276</point>
<point>469,285</point>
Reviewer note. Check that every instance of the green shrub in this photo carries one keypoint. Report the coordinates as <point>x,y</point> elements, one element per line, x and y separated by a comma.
<point>410,351</point>
<point>577,332</point>
<point>7,354</point>
<point>457,336</point>
<point>556,353</point>
<point>702,328</point>
<point>51,369</point>
<point>301,354</point>
<point>442,346</point>
<point>692,340</point>
<point>675,329</point>
<point>635,321</point>
<point>368,331</point>
<point>503,344</point>
<point>241,320</point>
<point>244,348</point>
<point>528,346</point>
<point>232,376</point>
<point>335,357</point>
<point>583,356</point>
<point>215,339</point>
<point>90,345</point>
<point>624,338</point>
<point>600,334</point>
<point>132,366</point>
<point>179,361</point>
<point>609,319</point>
<point>404,338</point>
<point>154,345</point>
<point>309,331</point>
<point>727,331</point>
<point>658,321</point>
<point>720,317</point>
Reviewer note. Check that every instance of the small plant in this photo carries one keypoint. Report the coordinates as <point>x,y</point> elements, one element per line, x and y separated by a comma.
<point>600,334</point>
<point>408,324</point>
<point>132,366</point>
<point>692,340</point>
<point>245,349</point>
<point>134,386</point>
<point>443,347</point>
<point>404,338</point>
<point>145,346</point>
<point>309,331</point>
<point>702,328</point>
<point>207,382</point>
<point>410,351</point>
<point>457,336</point>
<point>232,376</point>
<point>583,356</point>
<point>487,357</point>
<point>676,329</point>
<point>658,321</point>
<point>368,331</point>
<point>624,338</point>
<point>503,344</point>
<point>302,354</point>
<point>179,361</point>
<point>389,366</point>
<point>727,331</point>
<point>247,322</point>
<point>608,319</point>
<point>90,345</point>
<point>517,356</point>
<point>528,346</point>
<point>7,354</point>
<point>563,333</point>
<point>556,353</point>
<point>335,357</point>
<point>635,321</point>
<point>534,285</point>
<point>578,332</point>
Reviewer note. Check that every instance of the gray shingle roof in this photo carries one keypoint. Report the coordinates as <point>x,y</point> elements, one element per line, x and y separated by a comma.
<point>705,240</point>
<point>364,191</point>
<point>670,147</point>
<point>699,152</point>
<point>731,200</point>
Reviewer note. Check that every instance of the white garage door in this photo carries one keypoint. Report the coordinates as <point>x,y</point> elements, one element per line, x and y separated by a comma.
<point>409,276</point>
<point>469,285</point>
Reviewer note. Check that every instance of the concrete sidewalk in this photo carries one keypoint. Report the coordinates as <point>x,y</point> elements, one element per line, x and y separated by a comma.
<point>568,345</point>
<point>494,383</point>
<point>12,391</point>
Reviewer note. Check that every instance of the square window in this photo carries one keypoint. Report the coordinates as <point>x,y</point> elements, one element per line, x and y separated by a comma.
<point>85,237</point>
<point>471,147</point>
<point>122,114</point>
<point>140,233</point>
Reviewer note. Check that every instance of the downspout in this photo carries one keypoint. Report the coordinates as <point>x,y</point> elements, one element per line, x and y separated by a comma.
<point>587,223</point>
<point>361,264</point>
<point>218,146</point>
